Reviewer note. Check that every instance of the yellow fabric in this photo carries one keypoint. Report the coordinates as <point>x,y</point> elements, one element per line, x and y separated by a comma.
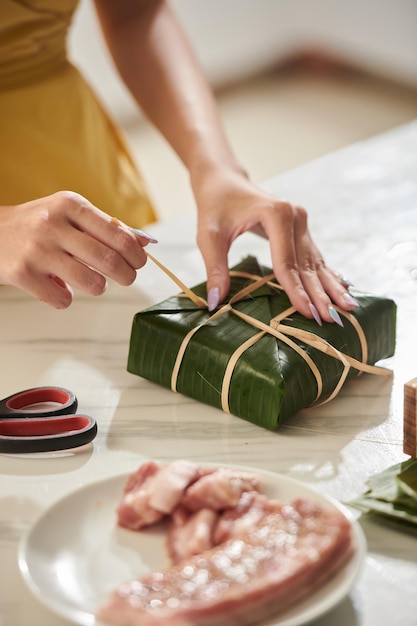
<point>54,133</point>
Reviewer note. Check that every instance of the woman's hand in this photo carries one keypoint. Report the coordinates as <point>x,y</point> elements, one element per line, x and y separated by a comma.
<point>51,245</point>
<point>230,205</point>
<point>159,67</point>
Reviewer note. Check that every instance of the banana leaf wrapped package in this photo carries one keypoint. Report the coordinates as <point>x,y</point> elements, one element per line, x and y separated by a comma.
<point>256,357</point>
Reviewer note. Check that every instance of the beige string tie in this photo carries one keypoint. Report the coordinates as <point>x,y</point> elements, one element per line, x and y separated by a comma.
<point>277,329</point>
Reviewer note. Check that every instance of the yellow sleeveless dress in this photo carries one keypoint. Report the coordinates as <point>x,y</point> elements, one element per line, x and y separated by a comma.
<point>54,133</point>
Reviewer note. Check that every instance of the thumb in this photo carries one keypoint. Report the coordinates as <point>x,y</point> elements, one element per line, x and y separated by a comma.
<point>214,251</point>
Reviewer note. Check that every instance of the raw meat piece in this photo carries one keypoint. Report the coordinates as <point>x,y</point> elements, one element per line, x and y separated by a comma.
<point>134,510</point>
<point>170,483</point>
<point>219,490</point>
<point>154,491</point>
<point>136,480</point>
<point>249,511</point>
<point>190,533</point>
<point>259,571</point>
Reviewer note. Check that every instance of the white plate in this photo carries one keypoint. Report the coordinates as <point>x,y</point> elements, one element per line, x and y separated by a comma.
<point>75,554</point>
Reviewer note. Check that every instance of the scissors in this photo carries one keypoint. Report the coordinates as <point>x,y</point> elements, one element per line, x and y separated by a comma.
<point>25,427</point>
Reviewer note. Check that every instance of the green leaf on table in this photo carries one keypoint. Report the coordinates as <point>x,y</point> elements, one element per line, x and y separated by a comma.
<point>392,494</point>
<point>407,478</point>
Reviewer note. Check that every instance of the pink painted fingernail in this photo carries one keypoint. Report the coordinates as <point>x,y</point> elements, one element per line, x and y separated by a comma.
<point>213,298</point>
<point>346,281</point>
<point>142,233</point>
<point>350,299</point>
<point>335,316</point>
<point>315,314</point>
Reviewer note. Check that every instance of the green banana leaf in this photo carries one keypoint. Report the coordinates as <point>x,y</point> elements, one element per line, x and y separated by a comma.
<point>271,381</point>
<point>391,495</point>
<point>407,479</point>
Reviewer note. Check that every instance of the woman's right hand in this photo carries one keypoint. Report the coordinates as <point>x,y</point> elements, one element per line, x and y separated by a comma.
<point>52,245</point>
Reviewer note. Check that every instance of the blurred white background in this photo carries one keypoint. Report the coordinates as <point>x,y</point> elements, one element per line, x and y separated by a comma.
<point>294,79</point>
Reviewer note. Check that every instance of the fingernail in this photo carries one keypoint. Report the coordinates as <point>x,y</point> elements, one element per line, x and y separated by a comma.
<point>315,314</point>
<point>350,299</point>
<point>335,316</point>
<point>346,281</point>
<point>213,298</point>
<point>142,233</point>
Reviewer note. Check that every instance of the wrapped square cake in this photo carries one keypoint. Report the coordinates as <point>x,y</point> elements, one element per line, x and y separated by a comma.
<point>255,356</point>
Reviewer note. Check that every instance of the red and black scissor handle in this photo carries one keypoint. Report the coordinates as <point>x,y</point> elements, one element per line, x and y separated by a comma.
<point>46,434</point>
<point>25,428</point>
<point>23,403</point>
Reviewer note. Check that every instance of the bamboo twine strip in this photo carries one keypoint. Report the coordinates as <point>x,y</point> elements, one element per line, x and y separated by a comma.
<point>198,301</point>
<point>275,328</point>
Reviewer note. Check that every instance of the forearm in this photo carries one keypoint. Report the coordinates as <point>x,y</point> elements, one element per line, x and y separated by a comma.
<point>160,69</point>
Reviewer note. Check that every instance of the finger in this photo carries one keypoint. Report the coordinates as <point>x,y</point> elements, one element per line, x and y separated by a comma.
<point>279,225</point>
<point>110,232</point>
<point>48,289</point>
<point>313,272</point>
<point>323,286</point>
<point>214,248</point>
<point>91,254</point>
<point>63,296</point>
<point>57,289</point>
<point>310,263</point>
<point>124,241</point>
<point>82,262</point>
<point>142,237</point>
<point>344,280</point>
<point>337,290</point>
<point>69,272</point>
<point>83,277</point>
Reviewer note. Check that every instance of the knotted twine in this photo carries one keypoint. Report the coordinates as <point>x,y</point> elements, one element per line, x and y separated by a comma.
<point>275,328</point>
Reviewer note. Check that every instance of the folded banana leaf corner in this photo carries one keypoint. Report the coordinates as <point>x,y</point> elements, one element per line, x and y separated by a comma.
<point>391,495</point>
<point>226,361</point>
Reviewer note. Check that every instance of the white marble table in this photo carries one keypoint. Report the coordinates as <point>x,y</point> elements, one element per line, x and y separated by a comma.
<point>363,211</point>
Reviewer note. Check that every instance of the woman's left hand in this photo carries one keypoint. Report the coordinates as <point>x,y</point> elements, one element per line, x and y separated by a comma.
<point>230,205</point>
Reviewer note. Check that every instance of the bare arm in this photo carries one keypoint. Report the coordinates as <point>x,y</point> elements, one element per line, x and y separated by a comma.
<point>156,62</point>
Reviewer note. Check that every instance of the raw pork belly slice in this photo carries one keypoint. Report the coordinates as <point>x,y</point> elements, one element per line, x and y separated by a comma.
<point>261,569</point>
